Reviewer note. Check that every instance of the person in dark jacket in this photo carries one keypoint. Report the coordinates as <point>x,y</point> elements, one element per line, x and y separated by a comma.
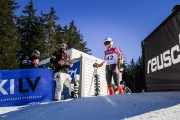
<point>59,59</point>
<point>24,62</point>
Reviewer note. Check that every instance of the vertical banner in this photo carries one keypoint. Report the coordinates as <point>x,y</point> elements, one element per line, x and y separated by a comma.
<point>20,87</point>
<point>161,51</point>
<point>73,71</point>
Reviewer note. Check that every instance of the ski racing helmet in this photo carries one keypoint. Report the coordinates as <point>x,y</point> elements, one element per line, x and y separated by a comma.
<point>108,41</point>
<point>37,53</point>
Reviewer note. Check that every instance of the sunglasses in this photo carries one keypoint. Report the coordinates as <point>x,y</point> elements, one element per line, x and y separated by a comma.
<point>62,46</point>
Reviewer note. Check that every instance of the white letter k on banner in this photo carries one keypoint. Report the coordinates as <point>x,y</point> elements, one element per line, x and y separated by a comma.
<point>1,87</point>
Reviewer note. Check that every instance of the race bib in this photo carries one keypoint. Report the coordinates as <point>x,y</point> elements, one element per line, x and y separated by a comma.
<point>111,59</point>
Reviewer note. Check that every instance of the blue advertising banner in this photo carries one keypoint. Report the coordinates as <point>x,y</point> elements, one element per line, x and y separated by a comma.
<point>23,86</point>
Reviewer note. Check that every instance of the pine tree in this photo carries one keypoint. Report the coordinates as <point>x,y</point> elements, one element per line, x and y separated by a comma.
<point>9,43</point>
<point>44,34</point>
<point>49,21</point>
<point>28,29</point>
<point>41,38</point>
<point>59,34</point>
<point>133,75</point>
<point>74,39</point>
<point>139,75</point>
<point>130,75</point>
<point>126,75</point>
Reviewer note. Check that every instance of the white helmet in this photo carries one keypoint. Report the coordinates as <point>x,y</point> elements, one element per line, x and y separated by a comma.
<point>36,53</point>
<point>108,41</point>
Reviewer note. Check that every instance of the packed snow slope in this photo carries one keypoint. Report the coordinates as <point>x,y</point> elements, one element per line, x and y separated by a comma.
<point>146,106</point>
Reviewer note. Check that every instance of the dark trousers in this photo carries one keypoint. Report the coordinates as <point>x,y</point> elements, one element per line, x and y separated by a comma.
<point>112,71</point>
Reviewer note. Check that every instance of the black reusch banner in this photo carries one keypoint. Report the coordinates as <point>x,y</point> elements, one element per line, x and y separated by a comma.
<point>161,53</point>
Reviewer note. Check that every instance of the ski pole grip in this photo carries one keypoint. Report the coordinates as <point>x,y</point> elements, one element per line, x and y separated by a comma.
<point>95,65</point>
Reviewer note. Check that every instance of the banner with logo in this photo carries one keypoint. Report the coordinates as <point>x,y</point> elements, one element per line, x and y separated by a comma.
<point>23,86</point>
<point>161,51</point>
<point>73,71</point>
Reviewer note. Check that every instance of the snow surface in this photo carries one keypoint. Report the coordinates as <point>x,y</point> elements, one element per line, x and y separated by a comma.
<point>139,106</point>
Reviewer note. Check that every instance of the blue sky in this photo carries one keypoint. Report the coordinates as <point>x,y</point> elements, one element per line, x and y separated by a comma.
<point>127,22</point>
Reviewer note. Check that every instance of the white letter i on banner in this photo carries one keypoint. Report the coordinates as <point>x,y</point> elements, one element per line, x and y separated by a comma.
<point>12,86</point>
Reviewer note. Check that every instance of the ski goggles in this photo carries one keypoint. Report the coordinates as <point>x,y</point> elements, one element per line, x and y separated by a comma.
<point>62,45</point>
<point>107,43</point>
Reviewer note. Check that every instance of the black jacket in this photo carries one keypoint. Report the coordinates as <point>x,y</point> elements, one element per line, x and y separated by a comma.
<point>57,56</point>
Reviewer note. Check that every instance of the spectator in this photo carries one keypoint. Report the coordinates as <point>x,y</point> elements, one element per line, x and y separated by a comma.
<point>59,59</point>
<point>29,62</point>
<point>24,62</point>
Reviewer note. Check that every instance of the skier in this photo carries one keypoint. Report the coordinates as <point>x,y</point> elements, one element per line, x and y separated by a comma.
<point>59,58</point>
<point>111,57</point>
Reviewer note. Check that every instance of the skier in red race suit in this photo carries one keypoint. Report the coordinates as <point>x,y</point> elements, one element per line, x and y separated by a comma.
<point>111,57</point>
